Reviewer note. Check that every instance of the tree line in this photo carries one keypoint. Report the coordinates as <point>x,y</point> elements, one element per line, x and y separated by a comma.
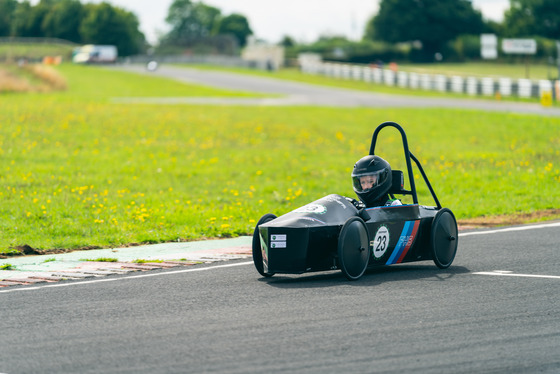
<point>73,21</point>
<point>438,23</point>
<point>417,30</point>
<point>430,30</point>
<point>103,23</point>
<point>203,28</point>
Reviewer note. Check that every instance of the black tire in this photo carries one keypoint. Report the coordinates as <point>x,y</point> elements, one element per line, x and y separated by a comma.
<point>444,238</point>
<point>353,248</point>
<point>257,252</point>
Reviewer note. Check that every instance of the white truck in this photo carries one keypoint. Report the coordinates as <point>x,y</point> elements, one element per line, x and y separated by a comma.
<point>95,54</point>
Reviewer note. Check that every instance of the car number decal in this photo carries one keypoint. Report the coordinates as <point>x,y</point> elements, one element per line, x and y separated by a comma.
<point>381,242</point>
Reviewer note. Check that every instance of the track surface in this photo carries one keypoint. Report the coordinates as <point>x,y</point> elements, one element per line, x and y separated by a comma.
<point>227,319</point>
<point>313,95</point>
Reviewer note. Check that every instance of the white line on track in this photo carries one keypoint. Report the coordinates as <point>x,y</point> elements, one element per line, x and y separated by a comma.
<point>504,274</point>
<point>520,228</point>
<point>79,283</point>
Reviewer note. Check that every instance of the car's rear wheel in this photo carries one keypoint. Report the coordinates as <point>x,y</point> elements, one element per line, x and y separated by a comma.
<point>353,248</point>
<point>257,250</point>
<point>444,238</point>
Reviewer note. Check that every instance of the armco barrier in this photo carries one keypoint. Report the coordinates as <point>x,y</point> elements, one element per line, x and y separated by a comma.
<point>473,86</point>
<point>457,84</point>
<point>402,79</point>
<point>505,86</point>
<point>440,83</point>
<point>524,88</point>
<point>425,82</point>
<point>389,77</point>
<point>487,86</point>
<point>414,81</point>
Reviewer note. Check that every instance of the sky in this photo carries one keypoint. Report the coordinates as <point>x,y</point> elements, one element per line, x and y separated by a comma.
<point>303,20</point>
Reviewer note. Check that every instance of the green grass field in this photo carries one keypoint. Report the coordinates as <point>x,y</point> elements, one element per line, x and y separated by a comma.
<point>77,170</point>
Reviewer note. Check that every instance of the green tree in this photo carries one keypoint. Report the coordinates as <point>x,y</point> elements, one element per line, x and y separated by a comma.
<point>20,15</point>
<point>432,22</point>
<point>7,10</point>
<point>28,19</point>
<point>63,20</point>
<point>287,42</point>
<point>533,18</point>
<point>105,24</point>
<point>236,25</point>
<point>190,21</point>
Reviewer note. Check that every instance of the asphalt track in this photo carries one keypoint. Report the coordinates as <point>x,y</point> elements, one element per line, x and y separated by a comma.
<point>295,93</point>
<point>495,310</point>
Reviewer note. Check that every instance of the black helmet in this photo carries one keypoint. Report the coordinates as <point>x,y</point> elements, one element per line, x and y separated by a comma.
<point>372,179</point>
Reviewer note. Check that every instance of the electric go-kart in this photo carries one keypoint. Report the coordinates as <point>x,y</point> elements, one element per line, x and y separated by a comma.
<point>335,232</point>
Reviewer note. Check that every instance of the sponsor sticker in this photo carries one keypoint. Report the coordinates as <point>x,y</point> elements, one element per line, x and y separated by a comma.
<point>278,240</point>
<point>312,208</point>
<point>380,242</point>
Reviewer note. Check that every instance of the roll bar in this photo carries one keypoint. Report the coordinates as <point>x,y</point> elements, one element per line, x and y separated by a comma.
<point>408,157</point>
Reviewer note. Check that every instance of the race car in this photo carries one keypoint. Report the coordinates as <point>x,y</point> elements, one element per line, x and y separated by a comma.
<point>337,232</point>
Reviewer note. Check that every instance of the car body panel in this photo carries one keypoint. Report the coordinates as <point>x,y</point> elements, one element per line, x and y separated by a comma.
<point>306,239</point>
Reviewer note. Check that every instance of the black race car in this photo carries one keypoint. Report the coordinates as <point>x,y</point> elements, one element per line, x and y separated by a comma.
<point>337,232</point>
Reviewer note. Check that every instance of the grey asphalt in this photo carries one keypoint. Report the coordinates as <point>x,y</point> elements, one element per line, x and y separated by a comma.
<point>495,310</point>
<point>295,93</point>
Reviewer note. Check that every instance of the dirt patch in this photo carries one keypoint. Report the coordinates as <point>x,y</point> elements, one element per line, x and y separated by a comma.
<point>30,78</point>
<point>26,249</point>
<point>508,219</point>
<point>10,82</point>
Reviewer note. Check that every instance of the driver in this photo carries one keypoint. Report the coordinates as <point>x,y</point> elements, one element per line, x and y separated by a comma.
<point>372,179</point>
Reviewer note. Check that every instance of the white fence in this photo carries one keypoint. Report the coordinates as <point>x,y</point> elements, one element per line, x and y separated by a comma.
<point>472,86</point>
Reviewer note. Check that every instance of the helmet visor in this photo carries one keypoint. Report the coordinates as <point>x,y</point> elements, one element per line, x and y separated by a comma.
<point>364,182</point>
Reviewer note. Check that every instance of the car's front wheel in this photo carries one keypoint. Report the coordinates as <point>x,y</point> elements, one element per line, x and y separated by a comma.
<point>353,248</point>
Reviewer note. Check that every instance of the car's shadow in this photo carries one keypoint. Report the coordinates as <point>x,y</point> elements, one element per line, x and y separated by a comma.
<point>372,277</point>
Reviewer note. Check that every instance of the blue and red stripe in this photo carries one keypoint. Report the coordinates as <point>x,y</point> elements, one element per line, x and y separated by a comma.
<point>405,242</point>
